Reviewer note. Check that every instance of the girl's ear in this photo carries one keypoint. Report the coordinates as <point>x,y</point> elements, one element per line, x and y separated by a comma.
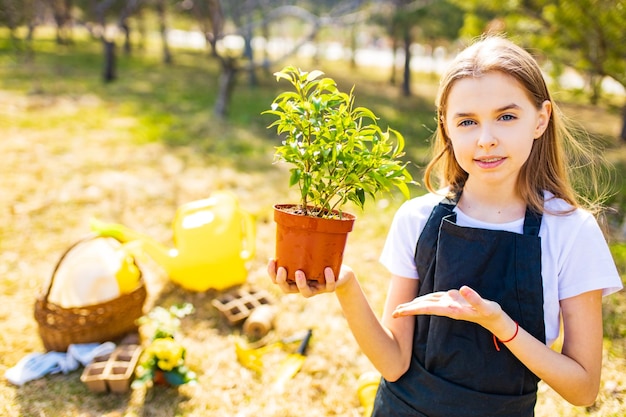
<point>543,118</point>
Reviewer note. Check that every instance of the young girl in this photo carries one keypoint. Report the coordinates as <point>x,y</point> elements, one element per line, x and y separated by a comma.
<point>484,269</point>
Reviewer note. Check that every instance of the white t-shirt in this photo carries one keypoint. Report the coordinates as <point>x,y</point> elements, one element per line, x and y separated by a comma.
<point>575,257</point>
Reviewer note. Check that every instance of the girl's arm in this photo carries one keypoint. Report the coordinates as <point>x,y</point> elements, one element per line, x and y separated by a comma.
<point>574,373</point>
<point>388,342</point>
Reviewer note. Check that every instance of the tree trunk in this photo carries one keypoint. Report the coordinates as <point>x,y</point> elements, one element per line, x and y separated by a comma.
<point>266,53</point>
<point>406,84</point>
<point>167,56</point>
<point>141,29</point>
<point>31,31</point>
<point>595,84</point>
<point>353,45</point>
<point>127,44</point>
<point>109,61</point>
<point>226,85</point>
<point>394,48</point>
<point>248,52</point>
<point>62,13</point>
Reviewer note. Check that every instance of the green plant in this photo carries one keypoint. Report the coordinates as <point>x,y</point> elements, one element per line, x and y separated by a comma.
<point>338,152</point>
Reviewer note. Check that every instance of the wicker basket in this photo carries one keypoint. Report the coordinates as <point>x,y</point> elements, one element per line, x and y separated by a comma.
<point>60,327</point>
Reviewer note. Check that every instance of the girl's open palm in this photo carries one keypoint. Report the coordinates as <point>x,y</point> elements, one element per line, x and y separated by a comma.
<point>463,304</point>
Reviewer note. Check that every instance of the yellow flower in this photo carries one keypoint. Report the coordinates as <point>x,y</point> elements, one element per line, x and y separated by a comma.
<point>167,352</point>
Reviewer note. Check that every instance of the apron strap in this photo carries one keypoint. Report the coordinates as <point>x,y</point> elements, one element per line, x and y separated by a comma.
<point>532,223</point>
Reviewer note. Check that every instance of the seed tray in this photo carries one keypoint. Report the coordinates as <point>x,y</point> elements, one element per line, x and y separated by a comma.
<point>114,372</point>
<point>237,305</point>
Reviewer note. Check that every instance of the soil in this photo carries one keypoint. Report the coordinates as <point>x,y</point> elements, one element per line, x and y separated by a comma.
<point>314,212</point>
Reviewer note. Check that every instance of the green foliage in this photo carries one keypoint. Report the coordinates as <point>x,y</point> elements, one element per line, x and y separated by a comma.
<point>165,323</point>
<point>16,12</point>
<point>440,20</point>
<point>429,22</point>
<point>614,307</point>
<point>618,250</point>
<point>593,32</point>
<point>585,34</point>
<point>338,152</point>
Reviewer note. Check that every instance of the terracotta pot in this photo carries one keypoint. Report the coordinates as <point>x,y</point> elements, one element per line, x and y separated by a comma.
<point>159,378</point>
<point>310,243</point>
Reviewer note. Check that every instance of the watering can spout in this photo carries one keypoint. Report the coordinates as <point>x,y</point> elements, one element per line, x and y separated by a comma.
<point>167,258</point>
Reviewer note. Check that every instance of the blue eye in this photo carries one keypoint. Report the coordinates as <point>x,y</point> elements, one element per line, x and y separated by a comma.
<point>507,117</point>
<point>466,123</point>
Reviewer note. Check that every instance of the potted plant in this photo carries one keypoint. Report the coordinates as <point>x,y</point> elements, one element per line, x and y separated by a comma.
<point>338,154</point>
<point>162,362</point>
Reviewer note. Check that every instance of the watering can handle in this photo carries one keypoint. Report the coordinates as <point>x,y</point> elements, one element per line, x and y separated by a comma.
<point>114,230</point>
<point>249,231</point>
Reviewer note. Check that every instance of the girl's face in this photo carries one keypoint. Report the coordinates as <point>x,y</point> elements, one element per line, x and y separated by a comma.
<point>492,125</point>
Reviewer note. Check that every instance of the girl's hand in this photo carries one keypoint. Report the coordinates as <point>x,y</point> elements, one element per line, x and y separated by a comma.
<point>304,287</point>
<point>463,304</point>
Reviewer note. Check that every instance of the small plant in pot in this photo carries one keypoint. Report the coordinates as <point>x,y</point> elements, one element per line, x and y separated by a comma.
<point>338,154</point>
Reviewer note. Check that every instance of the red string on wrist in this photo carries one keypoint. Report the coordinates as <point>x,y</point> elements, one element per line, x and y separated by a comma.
<point>495,339</point>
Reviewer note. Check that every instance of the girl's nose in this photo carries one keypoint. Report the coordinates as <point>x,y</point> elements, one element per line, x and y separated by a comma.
<point>486,138</point>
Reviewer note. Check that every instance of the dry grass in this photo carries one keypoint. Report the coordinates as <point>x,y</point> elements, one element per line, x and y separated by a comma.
<point>79,160</point>
<point>54,181</point>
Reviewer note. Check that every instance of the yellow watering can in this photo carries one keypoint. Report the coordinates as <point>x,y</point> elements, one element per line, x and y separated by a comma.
<point>213,239</point>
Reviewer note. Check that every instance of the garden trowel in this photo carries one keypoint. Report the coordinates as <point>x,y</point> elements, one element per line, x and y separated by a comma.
<point>291,364</point>
<point>252,356</point>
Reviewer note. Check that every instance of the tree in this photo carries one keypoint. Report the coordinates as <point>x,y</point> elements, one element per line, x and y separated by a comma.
<point>14,13</point>
<point>62,14</point>
<point>587,35</point>
<point>161,9</point>
<point>590,34</point>
<point>96,15</point>
<point>427,20</point>
<point>225,23</point>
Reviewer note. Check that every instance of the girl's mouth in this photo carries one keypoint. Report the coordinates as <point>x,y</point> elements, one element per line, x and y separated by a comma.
<point>490,162</point>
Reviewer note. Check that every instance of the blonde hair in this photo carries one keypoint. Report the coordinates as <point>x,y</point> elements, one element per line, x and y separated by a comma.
<point>548,166</point>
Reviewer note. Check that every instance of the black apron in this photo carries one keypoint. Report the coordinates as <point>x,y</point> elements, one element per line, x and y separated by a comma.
<point>455,370</point>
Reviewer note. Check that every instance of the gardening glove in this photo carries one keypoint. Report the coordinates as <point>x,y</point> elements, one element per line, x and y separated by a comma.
<point>36,365</point>
<point>85,353</point>
<point>33,366</point>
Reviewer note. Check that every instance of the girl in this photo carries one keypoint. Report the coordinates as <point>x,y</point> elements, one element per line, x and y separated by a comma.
<point>484,270</point>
